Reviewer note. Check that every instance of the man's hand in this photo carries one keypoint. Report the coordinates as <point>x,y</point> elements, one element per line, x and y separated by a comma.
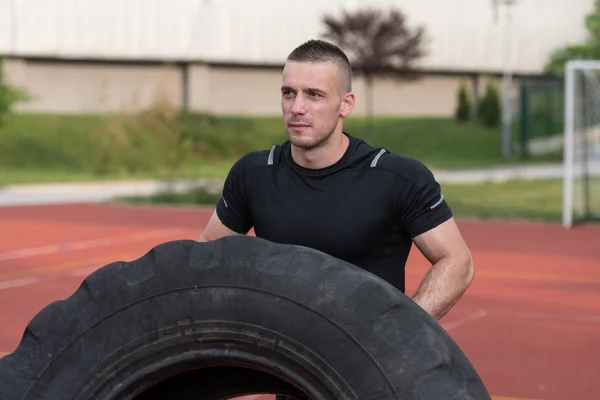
<point>215,229</point>
<point>452,269</point>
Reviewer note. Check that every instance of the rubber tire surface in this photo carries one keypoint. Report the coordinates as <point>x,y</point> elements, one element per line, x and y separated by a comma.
<point>295,311</point>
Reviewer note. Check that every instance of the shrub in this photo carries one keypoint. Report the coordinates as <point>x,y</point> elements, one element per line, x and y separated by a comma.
<point>463,108</point>
<point>489,113</point>
<point>9,95</point>
<point>142,142</point>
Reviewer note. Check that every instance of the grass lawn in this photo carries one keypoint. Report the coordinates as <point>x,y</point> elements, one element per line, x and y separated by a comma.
<point>521,199</point>
<point>534,200</point>
<point>47,148</point>
<point>210,169</point>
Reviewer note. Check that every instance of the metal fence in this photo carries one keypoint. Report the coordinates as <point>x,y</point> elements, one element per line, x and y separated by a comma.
<point>541,115</point>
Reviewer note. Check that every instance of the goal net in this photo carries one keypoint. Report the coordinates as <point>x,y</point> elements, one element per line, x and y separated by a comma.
<point>581,196</point>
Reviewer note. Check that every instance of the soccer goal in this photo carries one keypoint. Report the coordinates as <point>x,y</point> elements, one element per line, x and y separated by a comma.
<point>581,191</point>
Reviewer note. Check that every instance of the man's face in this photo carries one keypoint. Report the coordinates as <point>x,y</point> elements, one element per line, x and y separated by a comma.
<point>312,102</point>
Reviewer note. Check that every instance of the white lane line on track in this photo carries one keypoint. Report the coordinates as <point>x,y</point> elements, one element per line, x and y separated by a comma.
<point>19,282</point>
<point>87,244</point>
<point>73,271</point>
<point>589,318</point>
<point>465,320</point>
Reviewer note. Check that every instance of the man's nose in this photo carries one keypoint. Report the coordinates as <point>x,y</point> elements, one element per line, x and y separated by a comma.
<point>299,105</point>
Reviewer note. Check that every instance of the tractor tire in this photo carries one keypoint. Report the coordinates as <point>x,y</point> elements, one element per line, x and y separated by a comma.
<point>235,316</point>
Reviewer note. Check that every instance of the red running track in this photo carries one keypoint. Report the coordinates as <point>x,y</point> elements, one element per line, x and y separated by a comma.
<point>530,323</point>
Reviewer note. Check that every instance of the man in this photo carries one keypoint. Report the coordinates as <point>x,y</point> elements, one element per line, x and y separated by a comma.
<point>327,190</point>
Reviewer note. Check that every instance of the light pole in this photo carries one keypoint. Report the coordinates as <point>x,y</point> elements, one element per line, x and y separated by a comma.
<point>14,16</point>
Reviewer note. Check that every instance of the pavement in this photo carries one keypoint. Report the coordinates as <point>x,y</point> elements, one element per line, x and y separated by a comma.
<point>35,194</point>
<point>77,192</point>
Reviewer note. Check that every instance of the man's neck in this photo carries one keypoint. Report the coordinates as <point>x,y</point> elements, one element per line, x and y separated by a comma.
<point>322,156</point>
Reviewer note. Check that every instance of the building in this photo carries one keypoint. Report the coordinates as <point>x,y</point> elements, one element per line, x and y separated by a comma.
<point>225,56</point>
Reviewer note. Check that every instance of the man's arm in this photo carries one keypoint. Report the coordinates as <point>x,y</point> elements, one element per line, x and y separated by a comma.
<point>232,214</point>
<point>426,217</point>
<point>452,269</point>
<point>215,229</point>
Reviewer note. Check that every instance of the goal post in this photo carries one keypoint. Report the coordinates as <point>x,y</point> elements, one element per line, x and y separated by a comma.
<point>581,179</point>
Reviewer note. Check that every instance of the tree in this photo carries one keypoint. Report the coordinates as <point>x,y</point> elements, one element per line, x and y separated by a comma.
<point>377,44</point>
<point>589,49</point>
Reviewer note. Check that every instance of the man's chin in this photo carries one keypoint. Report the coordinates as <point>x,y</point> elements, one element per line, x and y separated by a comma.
<point>300,137</point>
<point>304,142</point>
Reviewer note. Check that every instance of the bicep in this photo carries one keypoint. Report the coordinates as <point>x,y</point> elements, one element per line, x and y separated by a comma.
<point>215,229</point>
<point>444,240</point>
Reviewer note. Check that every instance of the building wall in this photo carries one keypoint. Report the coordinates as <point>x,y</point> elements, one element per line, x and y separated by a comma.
<point>66,87</point>
<point>90,87</point>
<point>460,34</point>
<point>120,41</point>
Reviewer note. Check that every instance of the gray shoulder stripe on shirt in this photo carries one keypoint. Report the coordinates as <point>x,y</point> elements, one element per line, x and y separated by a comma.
<point>271,155</point>
<point>374,162</point>
<point>439,202</point>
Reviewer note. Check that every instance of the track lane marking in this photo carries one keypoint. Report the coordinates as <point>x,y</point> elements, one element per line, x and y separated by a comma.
<point>88,244</point>
<point>464,320</point>
<point>83,263</point>
<point>80,268</point>
<point>520,275</point>
<point>481,273</point>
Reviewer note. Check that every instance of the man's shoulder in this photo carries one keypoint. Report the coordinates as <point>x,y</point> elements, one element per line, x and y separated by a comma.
<point>254,160</point>
<point>407,168</point>
<point>383,158</point>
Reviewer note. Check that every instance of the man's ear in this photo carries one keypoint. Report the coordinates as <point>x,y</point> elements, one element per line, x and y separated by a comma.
<point>348,102</point>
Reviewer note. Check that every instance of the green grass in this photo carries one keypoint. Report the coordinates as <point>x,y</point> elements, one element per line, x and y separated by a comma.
<point>157,144</point>
<point>519,199</point>
<point>444,143</point>
<point>523,199</point>
<point>209,169</point>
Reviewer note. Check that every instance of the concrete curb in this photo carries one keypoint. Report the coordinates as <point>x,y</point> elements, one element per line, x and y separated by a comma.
<point>53,193</point>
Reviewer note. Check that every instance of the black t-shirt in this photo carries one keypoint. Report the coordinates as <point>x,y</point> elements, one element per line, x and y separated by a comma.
<point>364,209</point>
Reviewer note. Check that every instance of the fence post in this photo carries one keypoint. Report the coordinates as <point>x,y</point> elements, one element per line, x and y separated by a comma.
<point>524,123</point>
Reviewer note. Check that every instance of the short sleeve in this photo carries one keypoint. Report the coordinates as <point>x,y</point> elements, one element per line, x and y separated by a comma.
<point>421,204</point>
<point>233,208</point>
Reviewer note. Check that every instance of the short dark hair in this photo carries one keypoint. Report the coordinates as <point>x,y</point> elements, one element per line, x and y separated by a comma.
<point>317,50</point>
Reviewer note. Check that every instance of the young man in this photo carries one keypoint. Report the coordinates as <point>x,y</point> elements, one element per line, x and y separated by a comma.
<point>327,190</point>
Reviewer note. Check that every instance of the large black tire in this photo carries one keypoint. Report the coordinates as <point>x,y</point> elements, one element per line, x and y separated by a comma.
<point>235,316</point>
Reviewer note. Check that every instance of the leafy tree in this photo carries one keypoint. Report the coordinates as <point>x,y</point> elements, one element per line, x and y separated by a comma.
<point>589,49</point>
<point>378,44</point>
